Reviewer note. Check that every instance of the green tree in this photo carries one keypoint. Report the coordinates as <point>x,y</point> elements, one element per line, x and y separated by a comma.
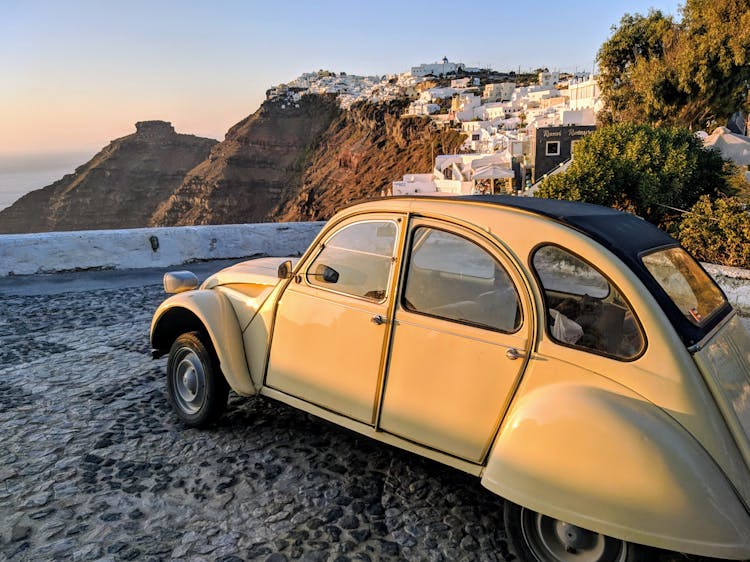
<point>718,231</point>
<point>695,72</point>
<point>713,60</point>
<point>640,169</point>
<point>636,46</point>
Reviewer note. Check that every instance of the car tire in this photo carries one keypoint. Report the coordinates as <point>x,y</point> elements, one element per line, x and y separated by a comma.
<point>196,386</point>
<point>538,538</point>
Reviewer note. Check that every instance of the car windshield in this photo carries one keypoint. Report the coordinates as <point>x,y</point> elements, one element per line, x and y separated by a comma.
<point>691,289</point>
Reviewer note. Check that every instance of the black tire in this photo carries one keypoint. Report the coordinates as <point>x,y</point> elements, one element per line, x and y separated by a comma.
<point>538,538</point>
<point>196,387</point>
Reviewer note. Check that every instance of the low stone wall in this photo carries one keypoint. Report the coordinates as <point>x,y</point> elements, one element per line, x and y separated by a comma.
<point>736,285</point>
<point>53,252</point>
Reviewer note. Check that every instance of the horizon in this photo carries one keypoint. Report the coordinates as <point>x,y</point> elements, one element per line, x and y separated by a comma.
<point>81,74</point>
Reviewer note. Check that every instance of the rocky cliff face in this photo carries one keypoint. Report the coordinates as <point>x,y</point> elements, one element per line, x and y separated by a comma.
<point>360,155</point>
<point>259,163</point>
<point>120,187</point>
<point>288,161</point>
<point>304,163</point>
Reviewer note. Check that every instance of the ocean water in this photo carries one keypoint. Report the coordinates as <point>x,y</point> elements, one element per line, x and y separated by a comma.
<point>21,173</point>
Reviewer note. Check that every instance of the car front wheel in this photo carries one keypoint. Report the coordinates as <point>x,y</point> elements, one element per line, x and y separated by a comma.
<point>195,385</point>
<point>539,538</point>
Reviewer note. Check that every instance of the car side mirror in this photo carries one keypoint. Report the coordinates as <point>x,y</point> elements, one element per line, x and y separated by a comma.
<point>285,270</point>
<point>328,274</point>
<point>179,281</point>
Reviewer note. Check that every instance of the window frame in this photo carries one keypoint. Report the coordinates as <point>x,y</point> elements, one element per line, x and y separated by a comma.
<point>393,259</point>
<point>545,307</point>
<point>408,255</point>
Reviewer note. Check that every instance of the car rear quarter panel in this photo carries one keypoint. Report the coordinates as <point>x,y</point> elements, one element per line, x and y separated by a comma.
<point>725,364</point>
<point>586,450</point>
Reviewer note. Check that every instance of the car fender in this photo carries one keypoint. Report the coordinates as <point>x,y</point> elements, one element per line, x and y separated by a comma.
<point>211,312</point>
<point>607,460</point>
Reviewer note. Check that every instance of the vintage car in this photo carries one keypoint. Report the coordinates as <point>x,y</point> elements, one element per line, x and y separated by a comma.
<point>575,358</point>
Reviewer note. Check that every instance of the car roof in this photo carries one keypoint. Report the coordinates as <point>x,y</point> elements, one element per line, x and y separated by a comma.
<point>624,234</point>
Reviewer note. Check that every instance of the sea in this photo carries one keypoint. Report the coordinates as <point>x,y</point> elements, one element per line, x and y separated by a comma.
<point>21,173</point>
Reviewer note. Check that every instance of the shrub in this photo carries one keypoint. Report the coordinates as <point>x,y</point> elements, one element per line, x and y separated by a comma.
<point>717,231</point>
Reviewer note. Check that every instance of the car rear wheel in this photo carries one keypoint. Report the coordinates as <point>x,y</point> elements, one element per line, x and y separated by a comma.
<point>195,385</point>
<point>540,538</point>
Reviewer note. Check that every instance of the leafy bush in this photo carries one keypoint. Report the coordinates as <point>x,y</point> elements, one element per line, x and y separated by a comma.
<point>718,231</point>
<point>640,169</point>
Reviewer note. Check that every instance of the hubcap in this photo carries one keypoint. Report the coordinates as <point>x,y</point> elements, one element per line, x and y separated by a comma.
<point>556,541</point>
<point>189,381</point>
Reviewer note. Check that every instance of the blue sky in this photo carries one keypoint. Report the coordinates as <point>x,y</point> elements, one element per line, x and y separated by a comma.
<point>77,74</point>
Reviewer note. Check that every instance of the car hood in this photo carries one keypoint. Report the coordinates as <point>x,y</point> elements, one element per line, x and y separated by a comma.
<point>262,271</point>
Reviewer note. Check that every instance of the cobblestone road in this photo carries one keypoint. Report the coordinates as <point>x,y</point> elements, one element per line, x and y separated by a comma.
<point>94,466</point>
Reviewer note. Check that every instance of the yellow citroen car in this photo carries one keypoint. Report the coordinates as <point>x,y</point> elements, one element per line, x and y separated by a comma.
<point>574,358</point>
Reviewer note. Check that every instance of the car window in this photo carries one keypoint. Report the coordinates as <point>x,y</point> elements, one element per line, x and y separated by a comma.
<point>453,278</point>
<point>356,260</point>
<point>689,287</point>
<point>564,272</point>
<point>583,308</point>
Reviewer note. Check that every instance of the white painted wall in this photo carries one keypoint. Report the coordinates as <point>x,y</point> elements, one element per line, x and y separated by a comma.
<point>735,283</point>
<point>51,252</point>
<point>23,254</point>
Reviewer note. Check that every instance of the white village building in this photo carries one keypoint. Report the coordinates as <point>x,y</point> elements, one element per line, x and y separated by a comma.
<point>460,174</point>
<point>584,94</point>
<point>498,92</point>
<point>548,79</point>
<point>442,68</point>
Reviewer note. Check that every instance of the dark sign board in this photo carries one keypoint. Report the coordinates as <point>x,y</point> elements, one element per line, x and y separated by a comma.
<point>554,145</point>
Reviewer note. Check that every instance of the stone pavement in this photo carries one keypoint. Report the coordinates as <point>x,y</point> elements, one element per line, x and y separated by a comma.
<point>94,466</point>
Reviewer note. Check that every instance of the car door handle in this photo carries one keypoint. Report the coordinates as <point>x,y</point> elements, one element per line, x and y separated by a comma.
<point>513,354</point>
<point>378,319</point>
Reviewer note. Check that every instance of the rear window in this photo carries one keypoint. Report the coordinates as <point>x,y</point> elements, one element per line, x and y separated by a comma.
<point>691,289</point>
<point>583,308</point>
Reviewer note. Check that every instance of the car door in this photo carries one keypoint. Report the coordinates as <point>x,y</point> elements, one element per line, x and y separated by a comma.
<point>459,342</point>
<point>331,324</point>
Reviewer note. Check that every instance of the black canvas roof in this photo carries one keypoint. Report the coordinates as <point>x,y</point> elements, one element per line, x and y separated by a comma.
<point>625,235</point>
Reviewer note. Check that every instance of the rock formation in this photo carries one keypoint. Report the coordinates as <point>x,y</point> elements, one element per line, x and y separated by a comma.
<point>289,161</point>
<point>120,187</point>
<point>303,163</point>
<point>360,156</point>
<point>259,162</point>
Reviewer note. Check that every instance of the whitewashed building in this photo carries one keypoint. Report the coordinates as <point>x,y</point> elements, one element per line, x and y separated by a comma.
<point>466,107</point>
<point>548,79</point>
<point>584,94</point>
<point>422,108</point>
<point>498,92</point>
<point>442,68</point>
<point>460,174</point>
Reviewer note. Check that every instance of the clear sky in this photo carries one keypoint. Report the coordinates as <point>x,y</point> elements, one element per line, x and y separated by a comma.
<point>75,74</point>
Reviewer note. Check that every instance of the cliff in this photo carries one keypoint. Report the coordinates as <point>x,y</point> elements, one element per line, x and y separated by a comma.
<point>120,187</point>
<point>261,159</point>
<point>288,163</point>
<point>360,155</point>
